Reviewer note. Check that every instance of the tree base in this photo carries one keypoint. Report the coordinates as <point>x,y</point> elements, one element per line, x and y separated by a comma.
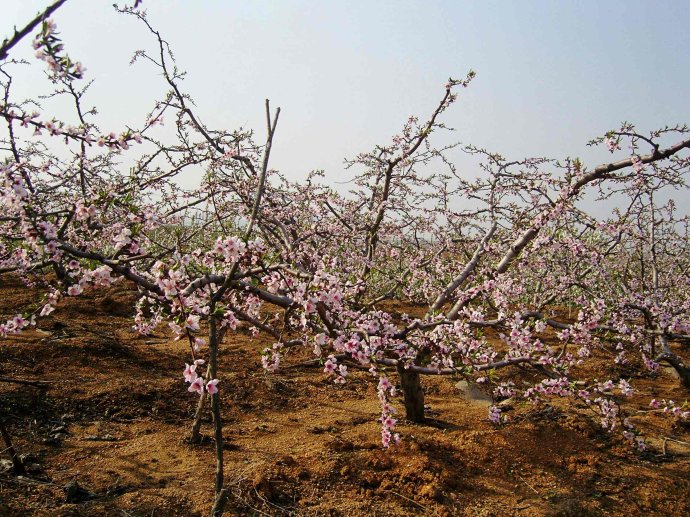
<point>413,394</point>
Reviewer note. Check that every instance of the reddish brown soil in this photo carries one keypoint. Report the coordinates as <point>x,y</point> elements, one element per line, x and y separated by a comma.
<point>115,417</point>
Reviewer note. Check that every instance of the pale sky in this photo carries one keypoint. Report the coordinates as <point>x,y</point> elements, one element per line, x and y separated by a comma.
<point>550,74</point>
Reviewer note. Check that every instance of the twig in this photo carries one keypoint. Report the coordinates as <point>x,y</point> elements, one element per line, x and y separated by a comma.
<point>30,481</point>
<point>27,382</point>
<point>408,499</point>
<point>281,508</point>
<point>310,362</point>
<point>530,486</point>
<point>677,441</point>
<point>7,44</point>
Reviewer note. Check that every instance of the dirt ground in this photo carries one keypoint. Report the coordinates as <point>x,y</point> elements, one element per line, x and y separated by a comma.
<point>107,435</point>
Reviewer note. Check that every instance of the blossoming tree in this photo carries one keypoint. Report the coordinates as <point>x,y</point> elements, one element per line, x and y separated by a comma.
<point>503,252</point>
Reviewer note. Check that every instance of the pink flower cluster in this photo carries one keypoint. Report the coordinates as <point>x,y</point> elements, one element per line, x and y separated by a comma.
<point>48,48</point>
<point>16,325</point>
<point>385,390</point>
<point>681,411</point>
<point>196,382</point>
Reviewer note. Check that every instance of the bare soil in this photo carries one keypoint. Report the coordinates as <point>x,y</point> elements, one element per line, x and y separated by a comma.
<point>107,435</point>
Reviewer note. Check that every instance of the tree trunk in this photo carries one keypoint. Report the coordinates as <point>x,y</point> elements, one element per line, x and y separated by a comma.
<point>413,394</point>
<point>195,435</point>
<point>219,504</point>
<point>677,364</point>
<point>675,361</point>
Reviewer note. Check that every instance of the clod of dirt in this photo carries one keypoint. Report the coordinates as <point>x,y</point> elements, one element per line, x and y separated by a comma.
<point>74,493</point>
<point>431,491</point>
<point>340,445</point>
<point>379,462</point>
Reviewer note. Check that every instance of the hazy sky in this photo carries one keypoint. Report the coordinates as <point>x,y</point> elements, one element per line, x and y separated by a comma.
<point>550,74</point>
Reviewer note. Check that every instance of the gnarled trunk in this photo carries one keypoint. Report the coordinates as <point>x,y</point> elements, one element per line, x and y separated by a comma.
<point>413,394</point>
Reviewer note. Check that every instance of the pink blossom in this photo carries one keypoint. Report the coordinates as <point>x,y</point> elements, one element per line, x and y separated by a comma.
<point>192,322</point>
<point>177,329</point>
<point>495,415</point>
<point>384,384</point>
<point>81,212</point>
<point>75,290</point>
<point>389,422</point>
<point>78,69</point>
<point>230,320</point>
<point>197,385</point>
<point>211,386</point>
<point>190,372</point>
<point>611,144</point>
<point>330,365</point>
